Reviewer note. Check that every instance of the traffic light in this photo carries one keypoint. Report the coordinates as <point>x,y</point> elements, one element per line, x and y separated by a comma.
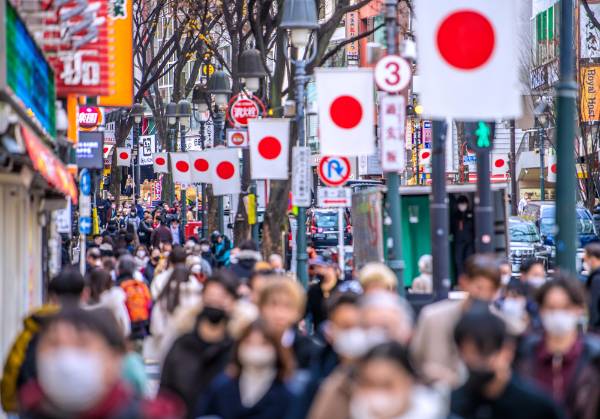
<point>480,135</point>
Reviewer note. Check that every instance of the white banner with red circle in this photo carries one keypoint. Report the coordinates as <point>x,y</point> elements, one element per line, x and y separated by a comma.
<point>123,156</point>
<point>225,171</point>
<point>180,168</point>
<point>200,164</point>
<point>552,169</point>
<point>269,148</point>
<point>346,111</point>
<point>160,162</point>
<point>499,163</point>
<point>468,59</point>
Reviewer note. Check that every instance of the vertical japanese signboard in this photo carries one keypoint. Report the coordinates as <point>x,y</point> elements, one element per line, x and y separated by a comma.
<point>352,48</point>
<point>590,88</point>
<point>393,121</point>
<point>147,148</point>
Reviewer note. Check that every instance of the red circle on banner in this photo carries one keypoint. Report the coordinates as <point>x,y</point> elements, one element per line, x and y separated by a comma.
<point>269,148</point>
<point>553,168</point>
<point>201,165</point>
<point>182,166</point>
<point>160,161</point>
<point>499,163</point>
<point>105,150</point>
<point>466,39</point>
<point>123,155</point>
<point>346,112</point>
<point>225,170</point>
<point>425,155</point>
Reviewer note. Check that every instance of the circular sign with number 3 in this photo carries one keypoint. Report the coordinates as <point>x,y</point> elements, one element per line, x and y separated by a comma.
<point>393,74</point>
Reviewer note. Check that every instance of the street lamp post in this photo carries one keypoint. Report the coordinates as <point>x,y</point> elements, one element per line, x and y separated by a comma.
<point>184,113</point>
<point>300,19</point>
<point>199,98</point>
<point>137,114</point>
<point>219,86</point>
<point>541,119</point>
<point>251,71</point>
<point>171,114</point>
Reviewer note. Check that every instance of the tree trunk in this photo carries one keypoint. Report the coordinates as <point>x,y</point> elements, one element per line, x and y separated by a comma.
<point>212,217</point>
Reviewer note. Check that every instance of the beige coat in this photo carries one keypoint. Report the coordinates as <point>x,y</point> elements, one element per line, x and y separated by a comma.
<point>333,399</point>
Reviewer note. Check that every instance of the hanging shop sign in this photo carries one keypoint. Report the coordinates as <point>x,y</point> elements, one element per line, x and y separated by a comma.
<point>590,88</point>
<point>26,77</point>
<point>147,149</point>
<point>90,118</point>
<point>242,108</point>
<point>90,151</point>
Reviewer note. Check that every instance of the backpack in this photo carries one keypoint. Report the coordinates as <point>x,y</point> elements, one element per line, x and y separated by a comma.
<point>138,300</point>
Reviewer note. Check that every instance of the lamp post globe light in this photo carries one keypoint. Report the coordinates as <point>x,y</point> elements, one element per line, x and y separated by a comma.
<point>184,117</point>
<point>200,99</point>
<point>541,118</point>
<point>300,20</point>
<point>136,113</point>
<point>219,86</point>
<point>171,115</point>
<point>251,69</point>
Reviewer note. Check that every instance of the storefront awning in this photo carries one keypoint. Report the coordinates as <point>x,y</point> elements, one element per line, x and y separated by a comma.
<point>48,165</point>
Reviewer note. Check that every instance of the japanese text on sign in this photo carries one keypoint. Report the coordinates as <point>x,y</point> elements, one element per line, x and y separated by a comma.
<point>393,120</point>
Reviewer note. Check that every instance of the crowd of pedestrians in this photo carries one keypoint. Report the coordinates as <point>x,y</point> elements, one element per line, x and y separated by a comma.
<point>236,336</point>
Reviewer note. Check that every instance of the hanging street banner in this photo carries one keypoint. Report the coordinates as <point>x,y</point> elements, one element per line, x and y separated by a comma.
<point>590,87</point>
<point>393,121</point>
<point>147,149</point>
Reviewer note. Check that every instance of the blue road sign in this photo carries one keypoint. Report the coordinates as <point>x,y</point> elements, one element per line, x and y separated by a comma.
<point>85,182</point>
<point>85,225</point>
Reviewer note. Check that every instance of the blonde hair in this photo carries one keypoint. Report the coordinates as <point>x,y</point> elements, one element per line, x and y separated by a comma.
<point>378,274</point>
<point>283,285</point>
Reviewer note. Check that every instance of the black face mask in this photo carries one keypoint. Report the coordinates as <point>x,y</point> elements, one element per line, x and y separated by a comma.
<point>478,379</point>
<point>213,315</point>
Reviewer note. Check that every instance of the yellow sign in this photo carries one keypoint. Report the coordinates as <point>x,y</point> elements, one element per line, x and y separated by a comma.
<point>121,55</point>
<point>208,69</point>
<point>590,88</point>
<point>251,209</point>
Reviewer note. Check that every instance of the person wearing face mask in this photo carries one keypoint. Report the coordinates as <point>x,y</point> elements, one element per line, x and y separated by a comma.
<point>492,390</point>
<point>255,387</point>
<point>533,275</point>
<point>141,257</point>
<point>151,265</point>
<point>591,259</point>
<point>386,386</point>
<point>93,259</point>
<point>79,363</point>
<point>204,351</point>
<point>145,230</point>
<point>423,284</point>
<point>104,292</point>
<point>556,359</point>
<point>462,228</point>
<point>206,253</point>
<point>319,292</point>
<point>433,348</point>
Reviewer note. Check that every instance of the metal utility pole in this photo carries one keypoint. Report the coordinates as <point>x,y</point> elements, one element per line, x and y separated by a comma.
<point>219,124</point>
<point>393,179</point>
<point>204,229</point>
<point>172,140</point>
<point>300,80</point>
<point>439,214</point>
<point>542,164</point>
<point>566,186</point>
<point>512,162</point>
<point>136,140</point>
<point>182,132</point>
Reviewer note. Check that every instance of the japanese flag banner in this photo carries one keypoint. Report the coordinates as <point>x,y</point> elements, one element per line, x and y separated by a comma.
<point>269,148</point>
<point>200,164</point>
<point>499,164</point>
<point>468,59</point>
<point>107,150</point>
<point>123,156</point>
<point>552,168</point>
<point>180,168</point>
<point>225,171</point>
<point>160,162</point>
<point>346,111</point>
<point>425,157</point>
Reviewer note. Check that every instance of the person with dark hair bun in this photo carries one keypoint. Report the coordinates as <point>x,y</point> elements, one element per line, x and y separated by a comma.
<point>79,360</point>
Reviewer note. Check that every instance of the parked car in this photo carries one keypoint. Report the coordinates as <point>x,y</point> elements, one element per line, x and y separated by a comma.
<point>322,228</point>
<point>525,243</point>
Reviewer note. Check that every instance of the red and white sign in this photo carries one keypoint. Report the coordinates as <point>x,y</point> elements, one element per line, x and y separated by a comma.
<point>160,162</point>
<point>346,111</point>
<point>269,148</point>
<point>123,156</point>
<point>393,74</point>
<point>552,169</point>
<point>425,157</point>
<point>90,117</point>
<point>225,171</point>
<point>499,163</point>
<point>334,197</point>
<point>107,151</point>
<point>200,163</point>
<point>334,170</point>
<point>237,138</point>
<point>180,168</point>
<point>243,108</point>
<point>393,121</point>
<point>469,59</point>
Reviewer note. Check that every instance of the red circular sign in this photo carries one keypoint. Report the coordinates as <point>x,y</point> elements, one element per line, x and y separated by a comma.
<point>334,171</point>
<point>425,155</point>
<point>201,165</point>
<point>243,108</point>
<point>466,39</point>
<point>346,112</point>
<point>499,163</point>
<point>182,166</point>
<point>160,161</point>
<point>237,138</point>
<point>89,117</point>
<point>123,155</point>
<point>225,170</point>
<point>269,148</point>
<point>553,168</point>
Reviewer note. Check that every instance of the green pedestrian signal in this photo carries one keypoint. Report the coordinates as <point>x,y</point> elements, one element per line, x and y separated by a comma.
<point>480,135</point>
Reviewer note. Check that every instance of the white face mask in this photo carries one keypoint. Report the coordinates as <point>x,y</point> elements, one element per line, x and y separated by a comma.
<point>376,404</point>
<point>505,279</point>
<point>351,343</point>
<point>536,281</point>
<point>559,322</point>
<point>462,207</point>
<point>141,254</point>
<point>71,378</point>
<point>514,308</point>
<point>255,356</point>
